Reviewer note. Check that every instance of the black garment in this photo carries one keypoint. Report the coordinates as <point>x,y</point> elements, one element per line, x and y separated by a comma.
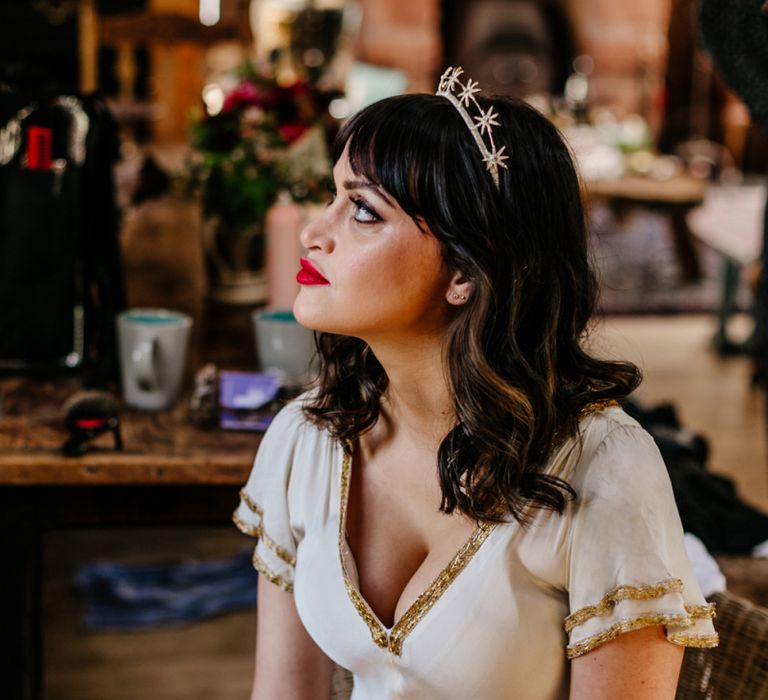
<point>708,503</point>
<point>61,279</point>
<point>735,33</point>
<point>711,509</point>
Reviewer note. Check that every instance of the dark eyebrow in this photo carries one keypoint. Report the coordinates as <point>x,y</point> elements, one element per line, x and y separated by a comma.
<point>366,185</point>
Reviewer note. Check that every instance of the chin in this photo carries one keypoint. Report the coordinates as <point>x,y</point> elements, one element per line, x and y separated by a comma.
<point>318,317</point>
<point>310,314</point>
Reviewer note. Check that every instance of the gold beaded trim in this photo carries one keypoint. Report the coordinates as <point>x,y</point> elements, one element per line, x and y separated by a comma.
<point>692,613</point>
<point>598,406</point>
<point>252,505</point>
<point>673,619</point>
<point>393,642</point>
<point>618,594</point>
<point>411,617</point>
<point>258,532</point>
<point>247,528</point>
<point>428,598</point>
<point>704,641</point>
<point>701,612</point>
<point>271,576</point>
<point>560,440</point>
<point>378,634</point>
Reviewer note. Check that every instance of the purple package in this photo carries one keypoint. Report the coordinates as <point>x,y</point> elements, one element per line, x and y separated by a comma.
<point>243,398</point>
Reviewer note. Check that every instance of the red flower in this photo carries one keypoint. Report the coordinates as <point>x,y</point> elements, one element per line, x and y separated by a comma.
<point>292,132</point>
<point>247,94</point>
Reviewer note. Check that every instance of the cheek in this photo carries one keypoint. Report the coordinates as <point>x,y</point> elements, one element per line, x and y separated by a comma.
<point>387,278</point>
<point>376,287</point>
<point>375,269</point>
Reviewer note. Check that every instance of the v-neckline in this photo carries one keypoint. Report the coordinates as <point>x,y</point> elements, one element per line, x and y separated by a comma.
<point>391,638</point>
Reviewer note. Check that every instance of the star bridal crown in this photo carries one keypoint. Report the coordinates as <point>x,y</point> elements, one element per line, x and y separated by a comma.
<point>460,96</point>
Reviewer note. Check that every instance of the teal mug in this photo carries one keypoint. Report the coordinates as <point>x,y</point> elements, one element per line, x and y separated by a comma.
<point>153,350</point>
<point>284,347</point>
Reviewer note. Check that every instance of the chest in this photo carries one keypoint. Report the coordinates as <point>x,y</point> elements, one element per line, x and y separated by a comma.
<point>396,535</point>
<point>455,641</point>
<point>468,618</point>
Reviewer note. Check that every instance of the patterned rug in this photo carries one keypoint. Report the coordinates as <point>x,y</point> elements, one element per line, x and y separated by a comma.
<point>638,270</point>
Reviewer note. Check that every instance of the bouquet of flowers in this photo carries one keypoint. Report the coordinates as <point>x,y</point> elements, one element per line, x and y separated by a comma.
<point>266,138</point>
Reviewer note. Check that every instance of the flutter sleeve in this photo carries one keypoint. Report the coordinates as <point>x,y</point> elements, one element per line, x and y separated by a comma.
<point>627,567</point>
<point>263,511</point>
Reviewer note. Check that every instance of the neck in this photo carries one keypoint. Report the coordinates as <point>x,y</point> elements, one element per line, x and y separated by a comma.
<point>417,403</point>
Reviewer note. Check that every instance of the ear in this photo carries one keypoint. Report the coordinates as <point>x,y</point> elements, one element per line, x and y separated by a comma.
<point>459,289</point>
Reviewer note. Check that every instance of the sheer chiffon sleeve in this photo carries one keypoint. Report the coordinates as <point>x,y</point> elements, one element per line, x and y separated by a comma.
<point>264,511</point>
<point>627,566</point>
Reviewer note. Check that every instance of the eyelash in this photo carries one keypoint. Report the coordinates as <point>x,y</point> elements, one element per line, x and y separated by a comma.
<point>362,205</point>
<point>359,203</point>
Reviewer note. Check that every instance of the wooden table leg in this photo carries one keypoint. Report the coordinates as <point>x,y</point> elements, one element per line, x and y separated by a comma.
<point>26,513</point>
<point>21,639</point>
<point>684,247</point>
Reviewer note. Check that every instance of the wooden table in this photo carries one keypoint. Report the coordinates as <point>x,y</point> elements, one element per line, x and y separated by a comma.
<point>731,221</point>
<point>170,473</point>
<point>674,197</point>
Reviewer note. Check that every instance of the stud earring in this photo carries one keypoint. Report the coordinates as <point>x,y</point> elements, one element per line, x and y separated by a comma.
<point>459,297</point>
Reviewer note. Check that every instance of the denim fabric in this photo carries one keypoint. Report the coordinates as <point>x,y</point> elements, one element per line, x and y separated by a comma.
<point>121,596</point>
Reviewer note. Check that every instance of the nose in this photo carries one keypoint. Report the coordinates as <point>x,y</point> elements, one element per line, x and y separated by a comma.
<point>315,235</point>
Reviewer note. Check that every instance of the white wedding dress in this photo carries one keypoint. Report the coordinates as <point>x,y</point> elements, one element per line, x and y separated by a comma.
<point>514,604</point>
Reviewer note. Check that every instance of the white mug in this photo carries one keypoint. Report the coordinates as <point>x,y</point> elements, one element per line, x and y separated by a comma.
<point>284,346</point>
<point>153,351</point>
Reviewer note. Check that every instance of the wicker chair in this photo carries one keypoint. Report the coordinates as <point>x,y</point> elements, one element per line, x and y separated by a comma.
<point>738,668</point>
<point>342,684</point>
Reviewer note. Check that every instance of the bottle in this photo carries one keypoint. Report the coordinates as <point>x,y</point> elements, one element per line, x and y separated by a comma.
<point>577,88</point>
<point>283,224</point>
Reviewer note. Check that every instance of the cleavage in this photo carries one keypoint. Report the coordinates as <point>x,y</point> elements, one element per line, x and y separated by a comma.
<point>396,553</point>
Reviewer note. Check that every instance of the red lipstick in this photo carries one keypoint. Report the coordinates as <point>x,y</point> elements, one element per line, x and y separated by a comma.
<point>309,275</point>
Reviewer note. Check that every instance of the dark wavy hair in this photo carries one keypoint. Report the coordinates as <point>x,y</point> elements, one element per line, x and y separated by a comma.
<point>518,372</point>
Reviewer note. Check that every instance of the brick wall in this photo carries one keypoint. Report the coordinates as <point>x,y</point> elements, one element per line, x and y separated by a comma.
<point>626,38</point>
<point>403,34</point>
<point>628,41</point>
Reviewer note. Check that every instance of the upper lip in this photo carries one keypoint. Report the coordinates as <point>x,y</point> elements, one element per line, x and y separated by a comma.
<point>311,269</point>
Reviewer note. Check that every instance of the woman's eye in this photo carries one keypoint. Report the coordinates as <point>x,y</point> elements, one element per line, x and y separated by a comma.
<point>363,213</point>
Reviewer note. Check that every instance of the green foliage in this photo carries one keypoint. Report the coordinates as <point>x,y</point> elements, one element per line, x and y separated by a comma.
<point>266,138</point>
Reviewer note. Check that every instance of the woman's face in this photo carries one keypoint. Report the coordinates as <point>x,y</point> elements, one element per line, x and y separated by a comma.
<point>386,278</point>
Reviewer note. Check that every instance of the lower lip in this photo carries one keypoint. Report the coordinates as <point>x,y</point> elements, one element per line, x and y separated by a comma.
<point>306,278</point>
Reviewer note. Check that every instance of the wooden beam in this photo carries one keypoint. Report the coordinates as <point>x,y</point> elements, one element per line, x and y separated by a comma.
<point>164,28</point>
<point>88,45</point>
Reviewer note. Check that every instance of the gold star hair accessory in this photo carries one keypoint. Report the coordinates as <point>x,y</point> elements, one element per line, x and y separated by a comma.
<point>460,96</point>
